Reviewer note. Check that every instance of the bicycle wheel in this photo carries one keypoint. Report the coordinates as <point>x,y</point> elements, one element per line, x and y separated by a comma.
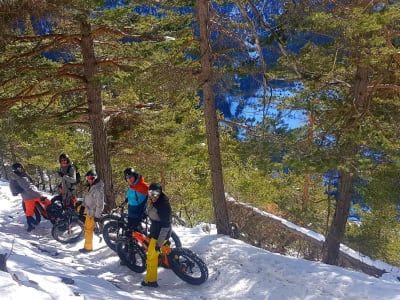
<point>174,240</point>
<point>112,232</point>
<point>188,266</point>
<point>132,255</point>
<point>67,232</point>
<point>109,218</point>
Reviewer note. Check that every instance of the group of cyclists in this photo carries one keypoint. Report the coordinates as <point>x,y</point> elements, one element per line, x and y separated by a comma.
<point>158,209</point>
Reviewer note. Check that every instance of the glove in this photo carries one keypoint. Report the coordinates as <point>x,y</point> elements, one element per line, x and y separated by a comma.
<point>61,174</point>
<point>42,198</point>
<point>126,200</point>
<point>97,219</point>
<point>158,250</point>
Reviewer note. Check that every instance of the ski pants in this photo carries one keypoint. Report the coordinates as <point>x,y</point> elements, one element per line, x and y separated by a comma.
<point>89,229</point>
<point>152,262</point>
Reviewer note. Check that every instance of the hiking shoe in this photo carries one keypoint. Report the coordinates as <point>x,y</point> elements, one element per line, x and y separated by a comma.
<point>30,228</point>
<point>84,251</point>
<point>149,284</point>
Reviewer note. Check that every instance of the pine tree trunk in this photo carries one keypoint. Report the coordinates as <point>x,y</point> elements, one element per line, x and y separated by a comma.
<point>338,226</point>
<point>3,262</point>
<point>96,118</point>
<point>206,82</point>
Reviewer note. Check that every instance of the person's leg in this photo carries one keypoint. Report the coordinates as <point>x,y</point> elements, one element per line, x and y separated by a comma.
<point>30,213</point>
<point>152,265</point>
<point>89,228</point>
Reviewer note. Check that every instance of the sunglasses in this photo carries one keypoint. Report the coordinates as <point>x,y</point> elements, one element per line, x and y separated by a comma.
<point>153,193</point>
<point>129,176</point>
<point>90,178</point>
<point>63,160</point>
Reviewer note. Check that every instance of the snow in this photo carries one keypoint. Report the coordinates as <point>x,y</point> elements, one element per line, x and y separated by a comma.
<point>237,270</point>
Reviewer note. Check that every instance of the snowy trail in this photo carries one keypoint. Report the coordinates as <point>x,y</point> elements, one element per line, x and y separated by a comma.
<point>47,269</point>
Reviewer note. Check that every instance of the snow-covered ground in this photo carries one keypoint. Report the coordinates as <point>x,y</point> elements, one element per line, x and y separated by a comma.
<point>42,268</point>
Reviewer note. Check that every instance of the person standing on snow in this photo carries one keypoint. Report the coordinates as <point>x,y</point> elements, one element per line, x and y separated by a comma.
<point>160,214</point>
<point>67,173</point>
<point>136,197</point>
<point>94,205</point>
<point>21,183</point>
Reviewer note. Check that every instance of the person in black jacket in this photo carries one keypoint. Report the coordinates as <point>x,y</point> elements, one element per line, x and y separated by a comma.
<point>67,172</point>
<point>160,213</point>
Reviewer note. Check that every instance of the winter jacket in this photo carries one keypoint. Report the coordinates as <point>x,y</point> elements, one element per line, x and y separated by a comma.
<point>137,198</point>
<point>21,183</point>
<point>94,199</point>
<point>160,214</point>
<point>68,180</point>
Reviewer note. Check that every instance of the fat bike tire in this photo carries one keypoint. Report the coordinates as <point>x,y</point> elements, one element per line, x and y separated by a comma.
<point>112,232</point>
<point>188,266</point>
<point>175,241</point>
<point>132,255</point>
<point>67,232</point>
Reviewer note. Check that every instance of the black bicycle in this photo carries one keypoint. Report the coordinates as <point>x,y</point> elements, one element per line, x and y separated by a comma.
<point>69,226</point>
<point>187,265</point>
<point>116,227</point>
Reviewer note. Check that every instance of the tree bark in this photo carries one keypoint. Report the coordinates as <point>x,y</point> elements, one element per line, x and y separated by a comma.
<point>361,100</point>
<point>3,262</point>
<point>338,226</point>
<point>96,116</point>
<point>218,192</point>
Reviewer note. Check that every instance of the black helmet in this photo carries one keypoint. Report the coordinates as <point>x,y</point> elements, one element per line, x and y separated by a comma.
<point>91,173</point>
<point>17,167</point>
<point>129,172</point>
<point>63,156</point>
<point>155,189</point>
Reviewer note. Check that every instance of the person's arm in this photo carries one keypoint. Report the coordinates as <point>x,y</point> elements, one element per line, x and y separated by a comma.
<point>164,212</point>
<point>164,232</point>
<point>71,176</point>
<point>99,197</point>
<point>27,185</point>
<point>14,187</point>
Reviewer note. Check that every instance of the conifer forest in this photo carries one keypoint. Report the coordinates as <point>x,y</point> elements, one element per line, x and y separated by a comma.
<point>290,106</point>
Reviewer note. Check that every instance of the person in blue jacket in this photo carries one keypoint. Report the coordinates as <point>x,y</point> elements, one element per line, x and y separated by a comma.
<point>136,197</point>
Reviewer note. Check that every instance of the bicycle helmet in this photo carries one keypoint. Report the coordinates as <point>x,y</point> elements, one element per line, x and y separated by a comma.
<point>129,172</point>
<point>91,173</point>
<point>155,189</point>
<point>63,156</point>
<point>17,167</point>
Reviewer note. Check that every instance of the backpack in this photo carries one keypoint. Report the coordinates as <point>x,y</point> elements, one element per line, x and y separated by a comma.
<point>78,175</point>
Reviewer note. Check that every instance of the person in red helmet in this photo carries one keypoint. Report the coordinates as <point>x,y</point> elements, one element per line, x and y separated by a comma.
<point>94,205</point>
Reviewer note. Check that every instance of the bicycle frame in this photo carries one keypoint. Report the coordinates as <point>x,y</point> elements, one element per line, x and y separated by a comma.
<point>144,242</point>
<point>39,206</point>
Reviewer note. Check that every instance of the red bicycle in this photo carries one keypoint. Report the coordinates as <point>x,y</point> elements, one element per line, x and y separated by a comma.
<point>186,264</point>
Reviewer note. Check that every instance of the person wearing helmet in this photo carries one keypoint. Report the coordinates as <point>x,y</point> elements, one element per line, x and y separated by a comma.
<point>94,205</point>
<point>136,197</point>
<point>160,213</point>
<point>21,183</point>
<point>67,172</point>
